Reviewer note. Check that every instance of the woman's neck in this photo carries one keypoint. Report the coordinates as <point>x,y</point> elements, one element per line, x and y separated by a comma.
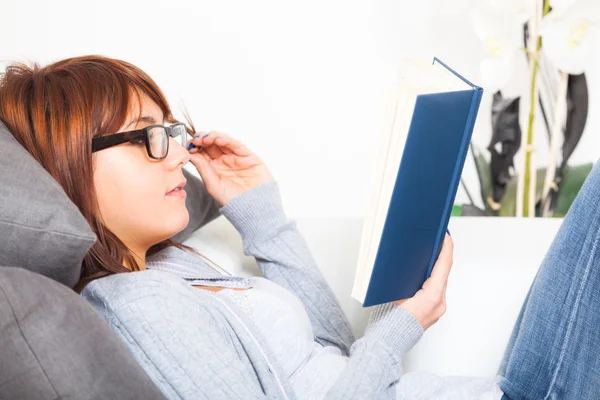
<point>140,260</point>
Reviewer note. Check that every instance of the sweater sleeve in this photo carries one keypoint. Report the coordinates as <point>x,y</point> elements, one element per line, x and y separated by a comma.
<point>375,364</point>
<point>284,257</point>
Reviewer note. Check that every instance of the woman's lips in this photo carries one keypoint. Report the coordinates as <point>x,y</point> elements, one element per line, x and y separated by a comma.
<point>178,190</point>
<point>177,193</point>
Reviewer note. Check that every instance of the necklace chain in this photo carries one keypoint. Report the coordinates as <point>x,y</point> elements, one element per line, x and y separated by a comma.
<point>214,265</point>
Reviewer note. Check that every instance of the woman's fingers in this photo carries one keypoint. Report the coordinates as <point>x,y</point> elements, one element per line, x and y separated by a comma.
<point>218,143</point>
<point>201,161</point>
<point>443,300</point>
<point>429,303</point>
<point>443,264</point>
<point>236,147</point>
<point>215,139</point>
<point>206,141</point>
<point>435,285</point>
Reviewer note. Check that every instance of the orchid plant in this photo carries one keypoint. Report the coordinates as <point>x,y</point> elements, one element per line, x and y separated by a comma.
<point>559,40</point>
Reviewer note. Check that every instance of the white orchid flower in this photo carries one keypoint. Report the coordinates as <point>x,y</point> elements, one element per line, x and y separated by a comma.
<point>501,34</point>
<point>560,5</point>
<point>520,10</point>
<point>569,32</point>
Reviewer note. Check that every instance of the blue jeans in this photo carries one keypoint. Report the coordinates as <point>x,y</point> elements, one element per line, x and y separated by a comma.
<point>554,349</point>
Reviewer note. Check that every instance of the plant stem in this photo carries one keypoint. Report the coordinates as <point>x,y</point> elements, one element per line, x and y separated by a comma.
<point>529,147</point>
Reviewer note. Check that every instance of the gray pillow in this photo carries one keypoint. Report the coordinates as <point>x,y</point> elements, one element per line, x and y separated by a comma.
<point>43,231</point>
<point>40,228</point>
<point>54,345</point>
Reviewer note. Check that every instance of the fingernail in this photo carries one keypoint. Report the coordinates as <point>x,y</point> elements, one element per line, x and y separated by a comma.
<point>205,135</point>
<point>197,135</point>
<point>191,146</point>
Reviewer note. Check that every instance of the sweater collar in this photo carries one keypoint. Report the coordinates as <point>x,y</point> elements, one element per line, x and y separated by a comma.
<point>192,267</point>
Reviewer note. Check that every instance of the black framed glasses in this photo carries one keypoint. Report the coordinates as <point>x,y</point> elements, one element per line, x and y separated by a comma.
<point>154,137</point>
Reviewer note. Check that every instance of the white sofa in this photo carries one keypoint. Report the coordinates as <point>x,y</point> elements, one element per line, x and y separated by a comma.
<point>495,261</point>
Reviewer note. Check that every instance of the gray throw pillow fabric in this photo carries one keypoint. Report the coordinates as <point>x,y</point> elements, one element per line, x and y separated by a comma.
<point>54,345</point>
<point>40,228</point>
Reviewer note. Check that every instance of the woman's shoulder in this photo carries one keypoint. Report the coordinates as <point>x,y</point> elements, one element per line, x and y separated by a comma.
<point>148,307</point>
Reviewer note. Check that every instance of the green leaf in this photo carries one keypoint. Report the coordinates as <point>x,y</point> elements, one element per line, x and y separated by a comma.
<point>573,179</point>
<point>456,210</point>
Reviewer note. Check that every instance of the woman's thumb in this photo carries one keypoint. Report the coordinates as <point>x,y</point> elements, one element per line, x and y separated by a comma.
<point>207,172</point>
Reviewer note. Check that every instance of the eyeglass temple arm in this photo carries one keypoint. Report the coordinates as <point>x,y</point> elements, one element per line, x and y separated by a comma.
<point>104,142</point>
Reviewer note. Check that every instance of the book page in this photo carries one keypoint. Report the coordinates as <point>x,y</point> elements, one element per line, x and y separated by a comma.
<point>385,179</point>
<point>381,160</point>
<point>422,77</point>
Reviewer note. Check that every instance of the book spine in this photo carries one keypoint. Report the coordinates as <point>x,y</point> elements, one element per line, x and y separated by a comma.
<point>458,168</point>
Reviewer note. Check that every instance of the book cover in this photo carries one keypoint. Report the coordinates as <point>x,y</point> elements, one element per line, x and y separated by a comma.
<point>437,129</point>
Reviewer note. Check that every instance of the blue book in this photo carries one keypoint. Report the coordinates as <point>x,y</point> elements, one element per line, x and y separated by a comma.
<point>430,117</point>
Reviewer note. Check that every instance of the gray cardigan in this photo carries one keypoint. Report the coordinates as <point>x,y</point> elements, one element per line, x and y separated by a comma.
<point>194,344</point>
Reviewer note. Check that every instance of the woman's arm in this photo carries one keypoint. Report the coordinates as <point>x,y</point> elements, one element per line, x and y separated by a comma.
<point>193,347</point>
<point>249,197</point>
<point>284,257</point>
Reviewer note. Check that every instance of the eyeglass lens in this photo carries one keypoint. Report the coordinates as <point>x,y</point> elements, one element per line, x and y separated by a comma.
<point>159,139</point>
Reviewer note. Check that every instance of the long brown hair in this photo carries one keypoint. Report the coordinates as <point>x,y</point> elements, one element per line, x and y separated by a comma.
<point>55,111</point>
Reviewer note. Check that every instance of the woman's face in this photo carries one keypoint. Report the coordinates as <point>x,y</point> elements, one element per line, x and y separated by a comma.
<point>134,190</point>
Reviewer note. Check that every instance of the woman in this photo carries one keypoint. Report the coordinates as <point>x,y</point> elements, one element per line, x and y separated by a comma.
<point>96,124</point>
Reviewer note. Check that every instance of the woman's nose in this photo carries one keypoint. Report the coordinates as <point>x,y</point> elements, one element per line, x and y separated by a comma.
<point>177,154</point>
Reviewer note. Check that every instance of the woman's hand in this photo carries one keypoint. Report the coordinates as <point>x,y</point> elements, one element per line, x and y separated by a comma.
<point>227,167</point>
<point>429,303</point>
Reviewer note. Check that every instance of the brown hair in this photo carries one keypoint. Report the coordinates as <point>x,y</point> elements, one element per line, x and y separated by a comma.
<point>55,111</point>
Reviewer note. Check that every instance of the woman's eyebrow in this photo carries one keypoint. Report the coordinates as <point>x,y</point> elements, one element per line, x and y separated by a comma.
<point>145,118</point>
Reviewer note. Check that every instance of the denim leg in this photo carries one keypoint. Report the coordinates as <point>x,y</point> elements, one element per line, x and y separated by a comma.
<point>554,350</point>
<point>513,336</point>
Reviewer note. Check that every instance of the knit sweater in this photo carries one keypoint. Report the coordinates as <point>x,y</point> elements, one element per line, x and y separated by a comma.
<point>196,344</point>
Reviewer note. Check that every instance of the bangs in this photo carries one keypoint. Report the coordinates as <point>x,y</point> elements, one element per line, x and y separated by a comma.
<point>117,94</point>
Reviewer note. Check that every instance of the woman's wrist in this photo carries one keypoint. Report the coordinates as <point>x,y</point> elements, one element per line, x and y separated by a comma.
<point>395,326</point>
<point>257,211</point>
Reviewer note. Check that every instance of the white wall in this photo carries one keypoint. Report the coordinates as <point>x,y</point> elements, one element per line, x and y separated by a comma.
<point>301,83</point>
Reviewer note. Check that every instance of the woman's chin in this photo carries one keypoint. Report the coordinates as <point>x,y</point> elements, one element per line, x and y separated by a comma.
<point>176,223</point>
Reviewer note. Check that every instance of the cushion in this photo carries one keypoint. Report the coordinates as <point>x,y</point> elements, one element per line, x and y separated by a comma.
<point>40,228</point>
<point>54,345</point>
